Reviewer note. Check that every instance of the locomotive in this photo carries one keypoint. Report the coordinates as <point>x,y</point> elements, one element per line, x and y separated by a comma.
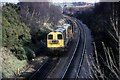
<point>60,38</point>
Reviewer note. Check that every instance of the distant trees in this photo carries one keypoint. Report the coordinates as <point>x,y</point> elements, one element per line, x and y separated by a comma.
<point>40,17</point>
<point>37,14</point>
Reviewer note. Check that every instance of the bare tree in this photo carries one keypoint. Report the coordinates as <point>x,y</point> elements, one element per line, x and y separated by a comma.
<point>36,14</point>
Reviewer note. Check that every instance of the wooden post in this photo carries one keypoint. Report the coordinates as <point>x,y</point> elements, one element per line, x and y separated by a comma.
<point>18,71</point>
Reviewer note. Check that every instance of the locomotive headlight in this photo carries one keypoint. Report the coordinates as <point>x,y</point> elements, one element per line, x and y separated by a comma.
<point>50,42</point>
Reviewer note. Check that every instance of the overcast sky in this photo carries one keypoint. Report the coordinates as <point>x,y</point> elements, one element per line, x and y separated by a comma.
<point>60,1</point>
<point>75,1</point>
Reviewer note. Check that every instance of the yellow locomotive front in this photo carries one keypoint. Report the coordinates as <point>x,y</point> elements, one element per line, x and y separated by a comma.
<point>55,39</point>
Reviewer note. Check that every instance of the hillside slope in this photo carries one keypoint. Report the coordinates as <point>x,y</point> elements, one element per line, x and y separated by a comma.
<point>14,35</point>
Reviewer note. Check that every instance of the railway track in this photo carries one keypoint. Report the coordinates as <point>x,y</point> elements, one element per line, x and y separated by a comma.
<point>83,51</point>
<point>44,70</point>
<point>73,71</point>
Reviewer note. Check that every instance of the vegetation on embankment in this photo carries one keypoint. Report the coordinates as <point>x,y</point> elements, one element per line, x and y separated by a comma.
<point>24,30</point>
<point>10,64</point>
<point>103,22</point>
<point>14,32</point>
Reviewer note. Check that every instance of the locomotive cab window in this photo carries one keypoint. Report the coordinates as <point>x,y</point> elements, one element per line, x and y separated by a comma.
<point>50,36</point>
<point>59,36</point>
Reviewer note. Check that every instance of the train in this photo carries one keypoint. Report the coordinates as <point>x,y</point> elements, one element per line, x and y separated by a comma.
<point>60,38</point>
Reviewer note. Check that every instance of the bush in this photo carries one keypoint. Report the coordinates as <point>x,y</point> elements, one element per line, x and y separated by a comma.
<point>20,53</point>
<point>29,53</point>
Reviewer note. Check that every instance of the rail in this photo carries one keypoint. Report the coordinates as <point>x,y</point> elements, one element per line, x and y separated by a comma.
<point>64,76</point>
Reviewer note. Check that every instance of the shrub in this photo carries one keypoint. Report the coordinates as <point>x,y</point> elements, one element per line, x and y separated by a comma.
<point>20,53</point>
<point>29,53</point>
